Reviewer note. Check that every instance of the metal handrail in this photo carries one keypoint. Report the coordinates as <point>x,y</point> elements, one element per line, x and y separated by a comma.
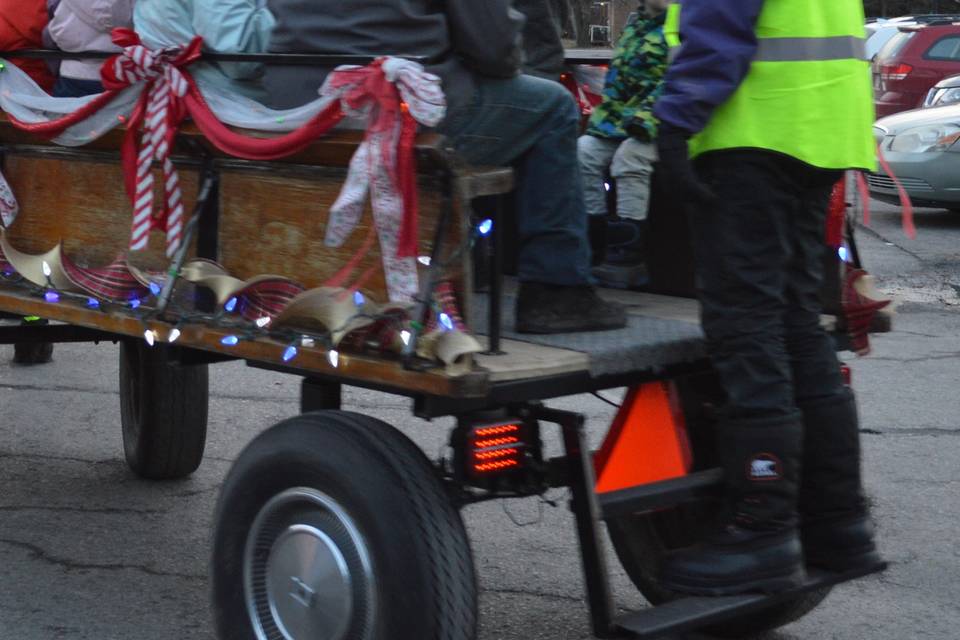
<point>285,59</point>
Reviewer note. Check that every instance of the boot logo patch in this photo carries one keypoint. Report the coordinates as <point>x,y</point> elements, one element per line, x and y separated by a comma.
<point>765,467</point>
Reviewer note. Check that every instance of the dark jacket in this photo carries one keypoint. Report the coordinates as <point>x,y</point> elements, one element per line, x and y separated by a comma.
<point>458,38</point>
<point>719,43</point>
<point>542,47</point>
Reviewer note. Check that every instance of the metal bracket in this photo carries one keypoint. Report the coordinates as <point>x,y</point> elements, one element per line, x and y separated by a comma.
<point>586,511</point>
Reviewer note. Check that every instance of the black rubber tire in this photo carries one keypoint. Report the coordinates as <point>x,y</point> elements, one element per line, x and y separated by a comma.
<point>422,567</point>
<point>163,411</point>
<point>33,352</point>
<point>642,540</point>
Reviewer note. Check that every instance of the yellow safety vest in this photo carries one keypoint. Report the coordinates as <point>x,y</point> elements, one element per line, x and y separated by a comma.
<point>807,94</point>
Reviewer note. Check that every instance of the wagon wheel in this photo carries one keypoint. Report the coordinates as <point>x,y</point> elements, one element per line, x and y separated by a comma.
<point>642,540</point>
<point>33,352</point>
<point>163,411</point>
<point>334,526</point>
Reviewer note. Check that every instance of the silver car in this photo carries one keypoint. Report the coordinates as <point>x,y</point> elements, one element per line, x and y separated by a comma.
<point>922,148</point>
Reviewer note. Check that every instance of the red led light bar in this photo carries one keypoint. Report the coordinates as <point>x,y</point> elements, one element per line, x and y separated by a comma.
<point>495,448</point>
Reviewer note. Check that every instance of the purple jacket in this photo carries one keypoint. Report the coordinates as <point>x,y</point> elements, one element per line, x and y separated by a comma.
<point>719,43</point>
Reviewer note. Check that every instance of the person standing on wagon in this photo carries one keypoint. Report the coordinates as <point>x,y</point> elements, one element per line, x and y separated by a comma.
<point>772,100</point>
<point>496,116</point>
<point>619,140</point>
<point>86,25</point>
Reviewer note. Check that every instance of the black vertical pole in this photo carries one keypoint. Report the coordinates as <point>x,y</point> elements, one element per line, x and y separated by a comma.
<point>496,279</point>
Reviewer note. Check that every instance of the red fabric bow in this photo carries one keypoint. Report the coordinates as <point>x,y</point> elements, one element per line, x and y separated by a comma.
<point>151,130</point>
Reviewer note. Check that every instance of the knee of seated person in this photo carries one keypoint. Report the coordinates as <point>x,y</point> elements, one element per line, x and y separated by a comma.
<point>558,101</point>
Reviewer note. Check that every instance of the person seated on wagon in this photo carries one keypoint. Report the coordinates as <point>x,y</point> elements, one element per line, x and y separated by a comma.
<point>619,140</point>
<point>496,116</point>
<point>22,24</point>
<point>226,26</point>
<point>86,25</point>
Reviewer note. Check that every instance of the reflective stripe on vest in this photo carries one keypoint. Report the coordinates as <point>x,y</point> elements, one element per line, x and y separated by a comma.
<point>671,30</point>
<point>808,92</point>
<point>811,49</point>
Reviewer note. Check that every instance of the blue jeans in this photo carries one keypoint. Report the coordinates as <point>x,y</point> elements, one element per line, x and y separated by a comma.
<point>532,124</point>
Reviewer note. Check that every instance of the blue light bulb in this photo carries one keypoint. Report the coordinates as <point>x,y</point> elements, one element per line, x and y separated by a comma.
<point>358,298</point>
<point>134,303</point>
<point>231,304</point>
<point>230,341</point>
<point>51,296</point>
<point>155,288</point>
<point>93,303</point>
<point>446,322</point>
<point>290,353</point>
<point>485,227</point>
<point>843,253</point>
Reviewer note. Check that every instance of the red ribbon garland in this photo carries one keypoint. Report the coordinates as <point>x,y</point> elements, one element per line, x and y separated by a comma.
<point>372,90</point>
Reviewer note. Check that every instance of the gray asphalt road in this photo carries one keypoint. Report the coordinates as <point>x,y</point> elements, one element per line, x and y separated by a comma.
<point>88,552</point>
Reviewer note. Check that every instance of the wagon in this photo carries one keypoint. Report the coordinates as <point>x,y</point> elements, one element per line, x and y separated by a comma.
<point>332,525</point>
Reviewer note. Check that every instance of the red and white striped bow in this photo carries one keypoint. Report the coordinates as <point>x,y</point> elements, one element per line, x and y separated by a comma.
<point>159,113</point>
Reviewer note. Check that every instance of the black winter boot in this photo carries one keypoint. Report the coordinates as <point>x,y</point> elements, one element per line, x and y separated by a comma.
<point>756,547</point>
<point>835,524</point>
<point>547,308</point>
<point>597,234</point>
<point>625,265</point>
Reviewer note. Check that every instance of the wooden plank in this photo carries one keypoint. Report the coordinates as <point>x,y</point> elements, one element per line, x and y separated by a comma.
<point>352,369</point>
<point>82,204</point>
<point>525,360</point>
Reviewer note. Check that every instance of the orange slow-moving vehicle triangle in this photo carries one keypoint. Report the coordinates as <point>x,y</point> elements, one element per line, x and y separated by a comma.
<point>647,441</point>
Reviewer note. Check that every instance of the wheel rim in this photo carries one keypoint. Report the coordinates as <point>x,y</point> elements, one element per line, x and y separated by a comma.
<point>307,570</point>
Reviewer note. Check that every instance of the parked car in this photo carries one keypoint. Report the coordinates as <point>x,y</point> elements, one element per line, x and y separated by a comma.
<point>945,92</point>
<point>881,35</point>
<point>921,148</point>
<point>912,62</point>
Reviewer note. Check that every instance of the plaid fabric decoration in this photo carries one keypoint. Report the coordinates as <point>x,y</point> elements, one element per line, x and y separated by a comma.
<point>446,301</point>
<point>383,336</point>
<point>267,297</point>
<point>113,282</point>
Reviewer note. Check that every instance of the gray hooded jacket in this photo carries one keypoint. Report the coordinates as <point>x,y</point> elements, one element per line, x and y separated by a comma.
<point>458,38</point>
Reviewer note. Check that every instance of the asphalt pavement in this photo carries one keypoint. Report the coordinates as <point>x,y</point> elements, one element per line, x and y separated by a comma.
<point>90,552</point>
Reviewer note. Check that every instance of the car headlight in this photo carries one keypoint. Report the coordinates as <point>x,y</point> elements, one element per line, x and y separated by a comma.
<point>926,139</point>
<point>943,97</point>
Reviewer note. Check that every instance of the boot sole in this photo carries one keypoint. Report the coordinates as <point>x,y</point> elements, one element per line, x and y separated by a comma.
<point>767,585</point>
<point>864,559</point>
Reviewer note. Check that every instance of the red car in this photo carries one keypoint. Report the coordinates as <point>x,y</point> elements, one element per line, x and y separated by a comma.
<point>912,62</point>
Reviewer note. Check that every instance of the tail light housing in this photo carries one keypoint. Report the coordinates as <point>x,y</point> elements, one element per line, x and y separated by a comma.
<point>494,451</point>
<point>495,448</point>
<point>895,72</point>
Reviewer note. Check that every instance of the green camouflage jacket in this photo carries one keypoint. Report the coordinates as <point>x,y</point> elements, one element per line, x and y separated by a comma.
<point>633,84</point>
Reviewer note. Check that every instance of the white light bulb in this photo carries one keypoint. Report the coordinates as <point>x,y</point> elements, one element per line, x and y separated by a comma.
<point>150,336</point>
<point>174,334</point>
<point>334,358</point>
<point>264,321</point>
<point>405,337</point>
<point>47,271</point>
<point>424,260</point>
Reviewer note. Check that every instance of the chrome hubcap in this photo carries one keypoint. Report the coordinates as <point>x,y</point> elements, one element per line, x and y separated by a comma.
<point>307,571</point>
